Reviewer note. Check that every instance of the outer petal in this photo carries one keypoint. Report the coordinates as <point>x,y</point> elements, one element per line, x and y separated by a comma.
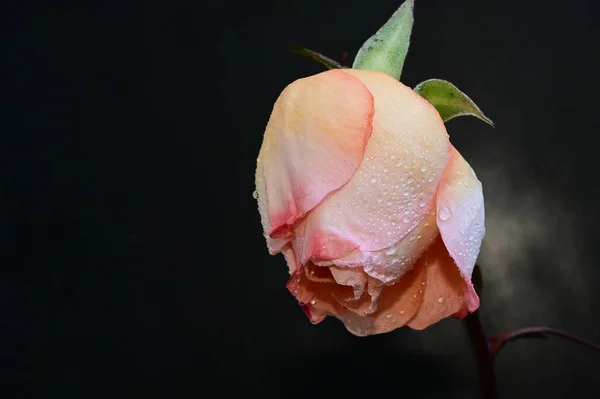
<point>446,293</point>
<point>313,144</point>
<point>460,213</point>
<point>394,188</point>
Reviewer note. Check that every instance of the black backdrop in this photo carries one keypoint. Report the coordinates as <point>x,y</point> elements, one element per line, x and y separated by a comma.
<point>132,261</point>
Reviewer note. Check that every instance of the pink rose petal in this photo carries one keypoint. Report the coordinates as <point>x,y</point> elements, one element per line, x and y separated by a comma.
<point>446,293</point>
<point>391,263</point>
<point>393,190</point>
<point>460,213</point>
<point>313,144</point>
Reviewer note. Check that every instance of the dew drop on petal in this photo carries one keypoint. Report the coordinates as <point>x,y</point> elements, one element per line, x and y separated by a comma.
<point>444,213</point>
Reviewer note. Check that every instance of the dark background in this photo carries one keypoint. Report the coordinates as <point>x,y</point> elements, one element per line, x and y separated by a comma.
<point>132,258</point>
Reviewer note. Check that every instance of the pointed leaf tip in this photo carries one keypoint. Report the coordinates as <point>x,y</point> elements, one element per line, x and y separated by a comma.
<point>386,50</point>
<point>449,101</point>
<point>328,62</point>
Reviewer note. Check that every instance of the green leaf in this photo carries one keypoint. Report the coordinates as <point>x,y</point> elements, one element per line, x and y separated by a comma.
<point>386,50</point>
<point>328,62</point>
<point>449,101</point>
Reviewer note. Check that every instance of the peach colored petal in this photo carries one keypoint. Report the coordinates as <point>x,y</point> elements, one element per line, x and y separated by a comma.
<point>352,278</point>
<point>275,245</point>
<point>394,188</point>
<point>313,144</point>
<point>390,264</point>
<point>290,257</point>
<point>344,294</point>
<point>318,274</point>
<point>315,241</point>
<point>432,290</point>
<point>446,293</point>
<point>360,304</point>
<point>460,213</point>
<point>396,304</point>
<point>316,298</point>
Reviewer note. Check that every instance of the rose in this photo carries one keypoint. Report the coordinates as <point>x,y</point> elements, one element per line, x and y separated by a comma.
<point>380,219</point>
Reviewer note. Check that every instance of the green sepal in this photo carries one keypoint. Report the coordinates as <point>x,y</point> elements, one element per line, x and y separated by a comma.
<point>386,50</point>
<point>449,101</point>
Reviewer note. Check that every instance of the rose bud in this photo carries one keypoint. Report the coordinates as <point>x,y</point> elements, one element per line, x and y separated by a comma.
<point>380,219</point>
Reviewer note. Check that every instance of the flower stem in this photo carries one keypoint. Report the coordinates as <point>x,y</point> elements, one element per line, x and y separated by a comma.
<point>486,349</point>
<point>483,353</point>
<point>536,332</point>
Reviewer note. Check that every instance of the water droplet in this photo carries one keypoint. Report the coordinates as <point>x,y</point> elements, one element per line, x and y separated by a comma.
<point>402,312</point>
<point>385,170</point>
<point>441,299</point>
<point>422,203</point>
<point>388,316</point>
<point>398,164</point>
<point>444,213</point>
<point>406,219</point>
<point>379,200</point>
<point>410,180</point>
<point>255,195</point>
<point>423,167</point>
<point>313,301</point>
<point>374,180</point>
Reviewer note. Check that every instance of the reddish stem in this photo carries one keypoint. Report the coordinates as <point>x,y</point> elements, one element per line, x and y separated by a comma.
<point>536,332</point>
<point>486,349</point>
<point>483,353</point>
